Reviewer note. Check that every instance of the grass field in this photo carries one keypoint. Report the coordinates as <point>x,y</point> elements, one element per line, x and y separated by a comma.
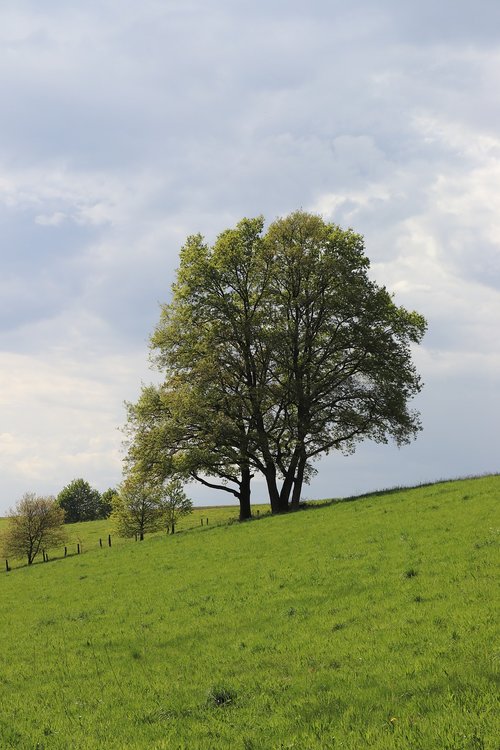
<point>364,624</point>
<point>88,534</point>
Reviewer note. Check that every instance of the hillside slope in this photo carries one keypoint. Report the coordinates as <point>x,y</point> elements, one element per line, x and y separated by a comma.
<point>361,624</point>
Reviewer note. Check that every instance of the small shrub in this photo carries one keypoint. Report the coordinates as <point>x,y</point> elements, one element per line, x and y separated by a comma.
<point>411,573</point>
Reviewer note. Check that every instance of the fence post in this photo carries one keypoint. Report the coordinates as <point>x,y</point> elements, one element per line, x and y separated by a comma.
<point>7,566</point>
<point>201,519</point>
<point>207,521</point>
<point>100,542</point>
<point>65,551</point>
<point>78,548</point>
<point>109,540</point>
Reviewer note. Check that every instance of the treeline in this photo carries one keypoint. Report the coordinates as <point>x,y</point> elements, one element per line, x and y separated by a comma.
<point>37,523</point>
<point>81,502</point>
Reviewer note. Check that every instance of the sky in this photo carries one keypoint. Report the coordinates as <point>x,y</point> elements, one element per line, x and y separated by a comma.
<point>128,126</point>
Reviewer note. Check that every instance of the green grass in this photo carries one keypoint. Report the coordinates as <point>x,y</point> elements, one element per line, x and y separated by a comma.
<point>90,534</point>
<point>365,624</point>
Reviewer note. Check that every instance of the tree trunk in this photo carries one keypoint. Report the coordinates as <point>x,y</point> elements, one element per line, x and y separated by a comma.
<point>288,481</point>
<point>298,481</point>
<point>244,495</point>
<point>272,488</point>
<point>141,536</point>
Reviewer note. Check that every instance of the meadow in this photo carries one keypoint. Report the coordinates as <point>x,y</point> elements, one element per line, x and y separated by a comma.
<point>362,624</point>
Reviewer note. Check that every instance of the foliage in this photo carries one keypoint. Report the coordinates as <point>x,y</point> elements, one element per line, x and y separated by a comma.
<point>106,504</point>
<point>137,508</point>
<point>34,524</point>
<point>175,503</point>
<point>88,533</point>
<point>276,348</point>
<point>334,647</point>
<point>80,502</point>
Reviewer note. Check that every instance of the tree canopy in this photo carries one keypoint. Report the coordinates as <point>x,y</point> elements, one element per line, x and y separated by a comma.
<point>144,505</point>
<point>34,524</point>
<point>175,503</point>
<point>81,502</point>
<point>276,348</point>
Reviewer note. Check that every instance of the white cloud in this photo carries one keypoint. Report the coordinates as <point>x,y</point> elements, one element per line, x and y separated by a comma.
<point>61,416</point>
<point>132,125</point>
<point>51,220</point>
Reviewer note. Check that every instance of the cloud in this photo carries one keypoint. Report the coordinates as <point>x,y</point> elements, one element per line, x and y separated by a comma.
<point>130,126</point>
<point>60,417</point>
<point>51,220</point>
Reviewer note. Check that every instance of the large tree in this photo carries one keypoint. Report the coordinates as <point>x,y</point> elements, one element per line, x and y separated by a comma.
<point>343,354</point>
<point>277,347</point>
<point>34,524</point>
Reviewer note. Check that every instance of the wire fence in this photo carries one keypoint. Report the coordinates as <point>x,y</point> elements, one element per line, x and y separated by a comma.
<point>75,548</point>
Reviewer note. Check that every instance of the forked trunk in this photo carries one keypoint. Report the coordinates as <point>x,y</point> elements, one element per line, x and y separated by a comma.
<point>272,488</point>
<point>288,482</point>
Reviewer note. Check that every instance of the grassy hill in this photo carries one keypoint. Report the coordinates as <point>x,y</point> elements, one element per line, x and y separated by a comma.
<point>364,624</point>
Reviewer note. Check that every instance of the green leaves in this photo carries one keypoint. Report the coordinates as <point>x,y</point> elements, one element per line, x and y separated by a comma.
<point>34,524</point>
<point>276,348</point>
<point>81,502</point>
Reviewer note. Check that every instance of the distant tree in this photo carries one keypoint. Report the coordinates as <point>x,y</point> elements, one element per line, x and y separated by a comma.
<point>175,503</point>
<point>106,504</point>
<point>35,523</point>
<point>137,508</point>
<point>80,502</point>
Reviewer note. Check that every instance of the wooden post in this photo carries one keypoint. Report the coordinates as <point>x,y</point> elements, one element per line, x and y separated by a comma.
<point>7,566</point>
<point>78,548</point>
<point>65,551</point>
<point>207,521</point>
<point>201,519</point>
<point>109,540</point>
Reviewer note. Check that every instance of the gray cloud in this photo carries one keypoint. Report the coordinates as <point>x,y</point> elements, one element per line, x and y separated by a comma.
<point>129,126</point>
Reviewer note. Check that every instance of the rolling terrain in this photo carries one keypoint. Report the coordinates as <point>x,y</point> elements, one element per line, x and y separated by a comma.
<point>371,623</point>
